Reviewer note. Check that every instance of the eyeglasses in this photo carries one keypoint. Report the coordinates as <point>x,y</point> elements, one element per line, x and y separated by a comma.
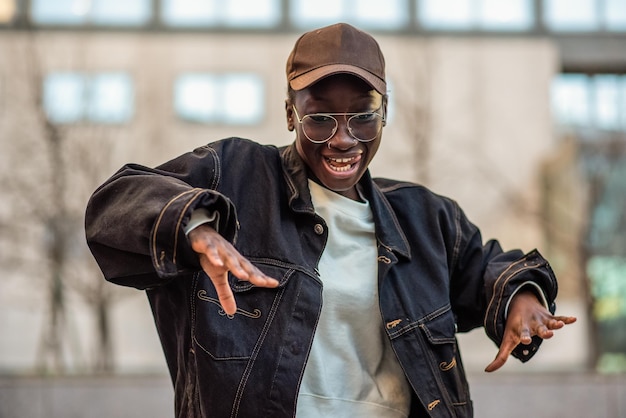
<point>320,127</point>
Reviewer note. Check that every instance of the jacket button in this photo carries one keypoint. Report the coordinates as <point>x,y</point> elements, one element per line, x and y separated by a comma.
<point>319,229</point>
<point>295,348</point>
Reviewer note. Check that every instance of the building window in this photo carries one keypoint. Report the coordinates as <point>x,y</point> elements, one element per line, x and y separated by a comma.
<point>72,97</point>
<point>91,12</point>
<point>615,15</point>
<point>464,15</point>
<point>232,99</point>
<point>370,14</point>
<point>597,102</point>
<point>233,13</point>
<point>570,15</point>
<point>8,11</point>
<point>585,15</point>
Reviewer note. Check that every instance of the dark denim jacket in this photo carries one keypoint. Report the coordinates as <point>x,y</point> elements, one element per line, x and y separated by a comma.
<point>435,277</point>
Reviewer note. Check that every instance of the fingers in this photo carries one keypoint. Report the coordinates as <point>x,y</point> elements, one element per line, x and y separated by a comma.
<point>545,329</point>
<point>509,342</point>
<point>243,269</point>
<point>225,294</point>
<point>524,337</point>
<point>500,359</point>
<point>566,319</point>
<point>218,257</point>
<point>223,257</point>
<point>217,266</point>
<point>219,278</point>
<point>512,339</point>
<point>522,328</point>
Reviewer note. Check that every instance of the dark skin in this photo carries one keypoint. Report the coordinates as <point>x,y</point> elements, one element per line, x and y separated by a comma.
<point>338,167</point>
<point>327,161</point>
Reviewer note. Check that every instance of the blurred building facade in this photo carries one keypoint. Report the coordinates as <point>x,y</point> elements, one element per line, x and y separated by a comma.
<point>518,113</point>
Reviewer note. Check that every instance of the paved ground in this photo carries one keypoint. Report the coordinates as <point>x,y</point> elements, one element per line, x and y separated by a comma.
<point>557,395</point>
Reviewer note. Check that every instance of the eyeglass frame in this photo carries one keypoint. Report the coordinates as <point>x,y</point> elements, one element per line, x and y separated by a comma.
<point>334,131</point>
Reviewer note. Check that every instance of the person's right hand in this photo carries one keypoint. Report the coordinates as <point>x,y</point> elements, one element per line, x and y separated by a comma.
<point>217,258</point>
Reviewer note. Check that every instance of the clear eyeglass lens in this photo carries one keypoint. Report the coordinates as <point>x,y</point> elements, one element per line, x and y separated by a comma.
<point>363,126</point>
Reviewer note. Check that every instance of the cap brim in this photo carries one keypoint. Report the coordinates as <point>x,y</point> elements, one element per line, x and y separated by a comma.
<point>305,80</point>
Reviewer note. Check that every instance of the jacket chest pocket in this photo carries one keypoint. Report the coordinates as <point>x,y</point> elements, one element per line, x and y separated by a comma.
<point>438,330</point>
<point>234,337</point>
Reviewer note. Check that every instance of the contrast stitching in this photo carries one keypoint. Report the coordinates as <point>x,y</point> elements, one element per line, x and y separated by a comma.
<point>433,404</point>
<point>383,199</point>
<point>218,169</point>
<point>319,310</point>
<point>420,322</point>
<point>502,287</point>
<point>255,353</point>
<point>194,286</point>
<point>160,218</point>
<point>203,296</point>
<point>443,366</point>
<point>180,221</point>
<point>457,242</point>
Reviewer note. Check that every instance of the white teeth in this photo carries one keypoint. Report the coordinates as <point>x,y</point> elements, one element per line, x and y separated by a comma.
<point>342,168</point>
<point>341,160</point>
<point>345,164</point>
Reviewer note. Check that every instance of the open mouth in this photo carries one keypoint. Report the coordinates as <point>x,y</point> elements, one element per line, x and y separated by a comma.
<point>342,165</point>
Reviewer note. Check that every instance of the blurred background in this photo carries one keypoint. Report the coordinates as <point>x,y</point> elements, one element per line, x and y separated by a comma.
<point>514,108</point>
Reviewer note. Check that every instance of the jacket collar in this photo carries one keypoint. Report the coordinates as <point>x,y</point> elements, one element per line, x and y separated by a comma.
<point>388,231</point>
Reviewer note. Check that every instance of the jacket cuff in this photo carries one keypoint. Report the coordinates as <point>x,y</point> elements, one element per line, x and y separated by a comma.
<point>169,248</point>
<point>533,287</point>
<point>202,216</point>
<point>504,280</point>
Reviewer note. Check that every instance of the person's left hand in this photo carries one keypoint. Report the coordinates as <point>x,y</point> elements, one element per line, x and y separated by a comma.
<point>527,318</point>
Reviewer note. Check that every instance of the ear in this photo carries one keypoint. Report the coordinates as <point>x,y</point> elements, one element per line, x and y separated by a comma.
<point>290,115</point>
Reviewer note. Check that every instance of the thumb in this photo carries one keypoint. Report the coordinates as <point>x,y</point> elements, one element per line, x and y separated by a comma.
<point>497,363</point>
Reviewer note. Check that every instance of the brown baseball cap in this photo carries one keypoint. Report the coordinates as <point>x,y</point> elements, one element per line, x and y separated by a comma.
<point>335,49</point>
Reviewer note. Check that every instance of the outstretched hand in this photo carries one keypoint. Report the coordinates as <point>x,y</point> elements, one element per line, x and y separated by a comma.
<point>527,318</point>
<point>218,257</point>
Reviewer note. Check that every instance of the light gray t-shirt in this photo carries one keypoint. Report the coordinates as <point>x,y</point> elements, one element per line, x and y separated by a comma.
<point>352,370</point>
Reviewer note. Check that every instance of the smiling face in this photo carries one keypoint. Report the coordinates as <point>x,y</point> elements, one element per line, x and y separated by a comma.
<point>339,163</point>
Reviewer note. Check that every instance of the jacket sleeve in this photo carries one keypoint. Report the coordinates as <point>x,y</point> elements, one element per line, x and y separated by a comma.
<point>135,221</point>
<point>504,276</point>
<point>485,278</point>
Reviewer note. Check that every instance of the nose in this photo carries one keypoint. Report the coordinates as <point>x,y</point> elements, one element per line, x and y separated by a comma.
<point>342,139</point>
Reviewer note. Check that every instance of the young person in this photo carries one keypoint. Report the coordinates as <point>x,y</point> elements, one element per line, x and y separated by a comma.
<point>287,281</point>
